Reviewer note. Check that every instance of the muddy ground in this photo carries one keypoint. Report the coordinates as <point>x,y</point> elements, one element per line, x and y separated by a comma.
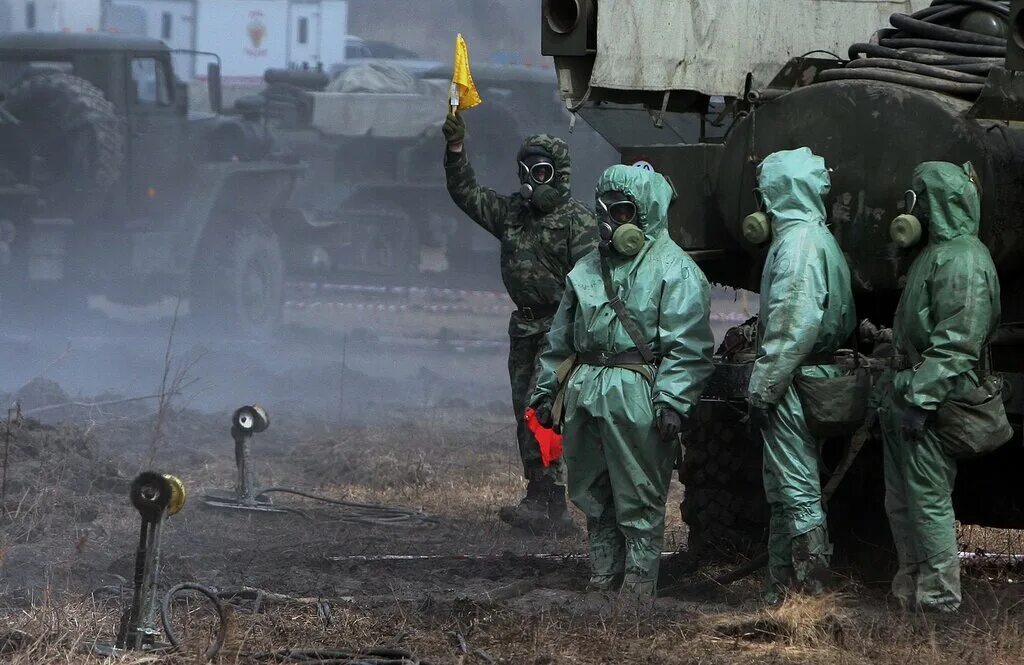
<point>449,584</point>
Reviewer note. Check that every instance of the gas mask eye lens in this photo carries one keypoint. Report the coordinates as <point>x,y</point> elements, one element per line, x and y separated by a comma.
<point>618,210</point>
<point>537,170</point>
<point>542,173</point>
<point>622,212</point>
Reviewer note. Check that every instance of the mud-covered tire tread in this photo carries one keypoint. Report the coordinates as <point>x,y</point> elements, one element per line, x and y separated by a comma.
<point>723,498</point>
<point>68,103</point>
<point>222,255</point>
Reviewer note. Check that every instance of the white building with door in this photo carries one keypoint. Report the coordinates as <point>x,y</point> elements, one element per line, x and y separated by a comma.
<point>51,15</point>
<point>250,36</point>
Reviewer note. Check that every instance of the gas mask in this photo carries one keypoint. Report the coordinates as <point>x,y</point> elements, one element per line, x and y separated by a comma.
<point>905,230</point>
<point>537,173</point>
<point>756,226</point>
<point>619,228</point>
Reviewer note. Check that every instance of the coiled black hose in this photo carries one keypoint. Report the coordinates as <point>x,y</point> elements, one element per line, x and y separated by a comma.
<point>930,30</point>
<point>222,618</point>
<point>929,50</point>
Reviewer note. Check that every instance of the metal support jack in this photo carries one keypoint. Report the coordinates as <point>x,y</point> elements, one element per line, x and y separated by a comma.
<point>156,496</point>
<point>245,422</point>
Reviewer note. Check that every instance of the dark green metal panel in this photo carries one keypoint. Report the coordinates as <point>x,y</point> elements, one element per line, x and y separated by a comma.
<point>694,219</point>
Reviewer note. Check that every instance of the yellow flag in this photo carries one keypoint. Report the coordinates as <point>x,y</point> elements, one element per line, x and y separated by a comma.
<point>463,93</point>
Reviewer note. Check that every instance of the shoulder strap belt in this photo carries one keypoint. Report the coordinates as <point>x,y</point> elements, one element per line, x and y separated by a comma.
<point>624,318</point>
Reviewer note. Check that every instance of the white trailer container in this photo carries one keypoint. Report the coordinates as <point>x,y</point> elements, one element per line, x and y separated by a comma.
<point>250,36</point>
<point>50,15</point>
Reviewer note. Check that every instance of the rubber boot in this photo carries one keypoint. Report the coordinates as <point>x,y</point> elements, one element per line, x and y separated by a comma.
<point>604,583</point>
<point>811,554</point>
<point>542,511</point>
<point>635,585</point>
<point>558,511</point>
<point>532,512</point>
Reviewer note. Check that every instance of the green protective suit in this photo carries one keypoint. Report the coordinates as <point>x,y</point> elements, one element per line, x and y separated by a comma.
<point>619,468</point>
<point>947,312</point>
<point>806,310</point>
<point>537,251</point>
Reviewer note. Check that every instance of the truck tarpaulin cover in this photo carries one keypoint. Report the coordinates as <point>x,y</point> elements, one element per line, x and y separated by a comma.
<point>710,45</point>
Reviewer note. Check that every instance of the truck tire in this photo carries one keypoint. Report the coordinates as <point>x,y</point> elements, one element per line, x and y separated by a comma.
<point>237,284</point>
<point>727,515</point>
<point>723,504</point>
<point>76,137</point>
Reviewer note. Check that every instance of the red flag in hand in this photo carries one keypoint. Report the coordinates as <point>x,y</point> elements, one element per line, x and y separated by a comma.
<point>549,442</point>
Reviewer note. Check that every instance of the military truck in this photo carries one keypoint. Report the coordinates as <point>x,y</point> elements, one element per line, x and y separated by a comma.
<point>109,185</point>
<point>935,87</point>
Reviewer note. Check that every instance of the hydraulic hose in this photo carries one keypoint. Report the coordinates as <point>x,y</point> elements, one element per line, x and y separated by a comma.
<point>928,30</point>
<point>918,68</point>
<point>923,57</point>
<point>989,5</point>
<point>903,78</point>
<point>981,50</point>
<point>929,50</point>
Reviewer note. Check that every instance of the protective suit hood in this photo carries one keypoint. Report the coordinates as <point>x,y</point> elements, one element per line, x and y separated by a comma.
<point>649,190</point>
<point>558,151</point>
<point>949,198</point>
<point>794,184</point>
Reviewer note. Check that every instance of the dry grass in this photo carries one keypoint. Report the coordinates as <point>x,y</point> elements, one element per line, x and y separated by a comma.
<point>992,541</point>
<point>466,474</point>
<point>804,630</point>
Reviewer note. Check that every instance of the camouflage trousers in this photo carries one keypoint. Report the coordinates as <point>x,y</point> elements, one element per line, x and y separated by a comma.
<point>522,371</point>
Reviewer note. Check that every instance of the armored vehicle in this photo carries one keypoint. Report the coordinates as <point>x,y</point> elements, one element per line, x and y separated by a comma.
<point>374,205</point>
<point>110,186</point>
<point>941,81</point>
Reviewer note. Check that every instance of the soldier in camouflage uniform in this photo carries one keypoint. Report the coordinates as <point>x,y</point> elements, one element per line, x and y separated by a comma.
<point>543,233</point>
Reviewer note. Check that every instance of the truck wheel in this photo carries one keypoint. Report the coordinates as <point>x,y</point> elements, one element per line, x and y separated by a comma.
<point>238,282</point>
<point>75,136</point>
<point>727,515</point>
<point>723,498</point>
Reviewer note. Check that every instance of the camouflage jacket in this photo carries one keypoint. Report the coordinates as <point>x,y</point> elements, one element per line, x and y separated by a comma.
<point>537,250</point>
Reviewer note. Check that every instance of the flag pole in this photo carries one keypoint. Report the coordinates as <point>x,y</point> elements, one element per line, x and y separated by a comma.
<point>453,93</point>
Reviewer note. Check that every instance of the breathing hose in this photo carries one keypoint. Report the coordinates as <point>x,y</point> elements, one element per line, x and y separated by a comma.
<point>930,50</point>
